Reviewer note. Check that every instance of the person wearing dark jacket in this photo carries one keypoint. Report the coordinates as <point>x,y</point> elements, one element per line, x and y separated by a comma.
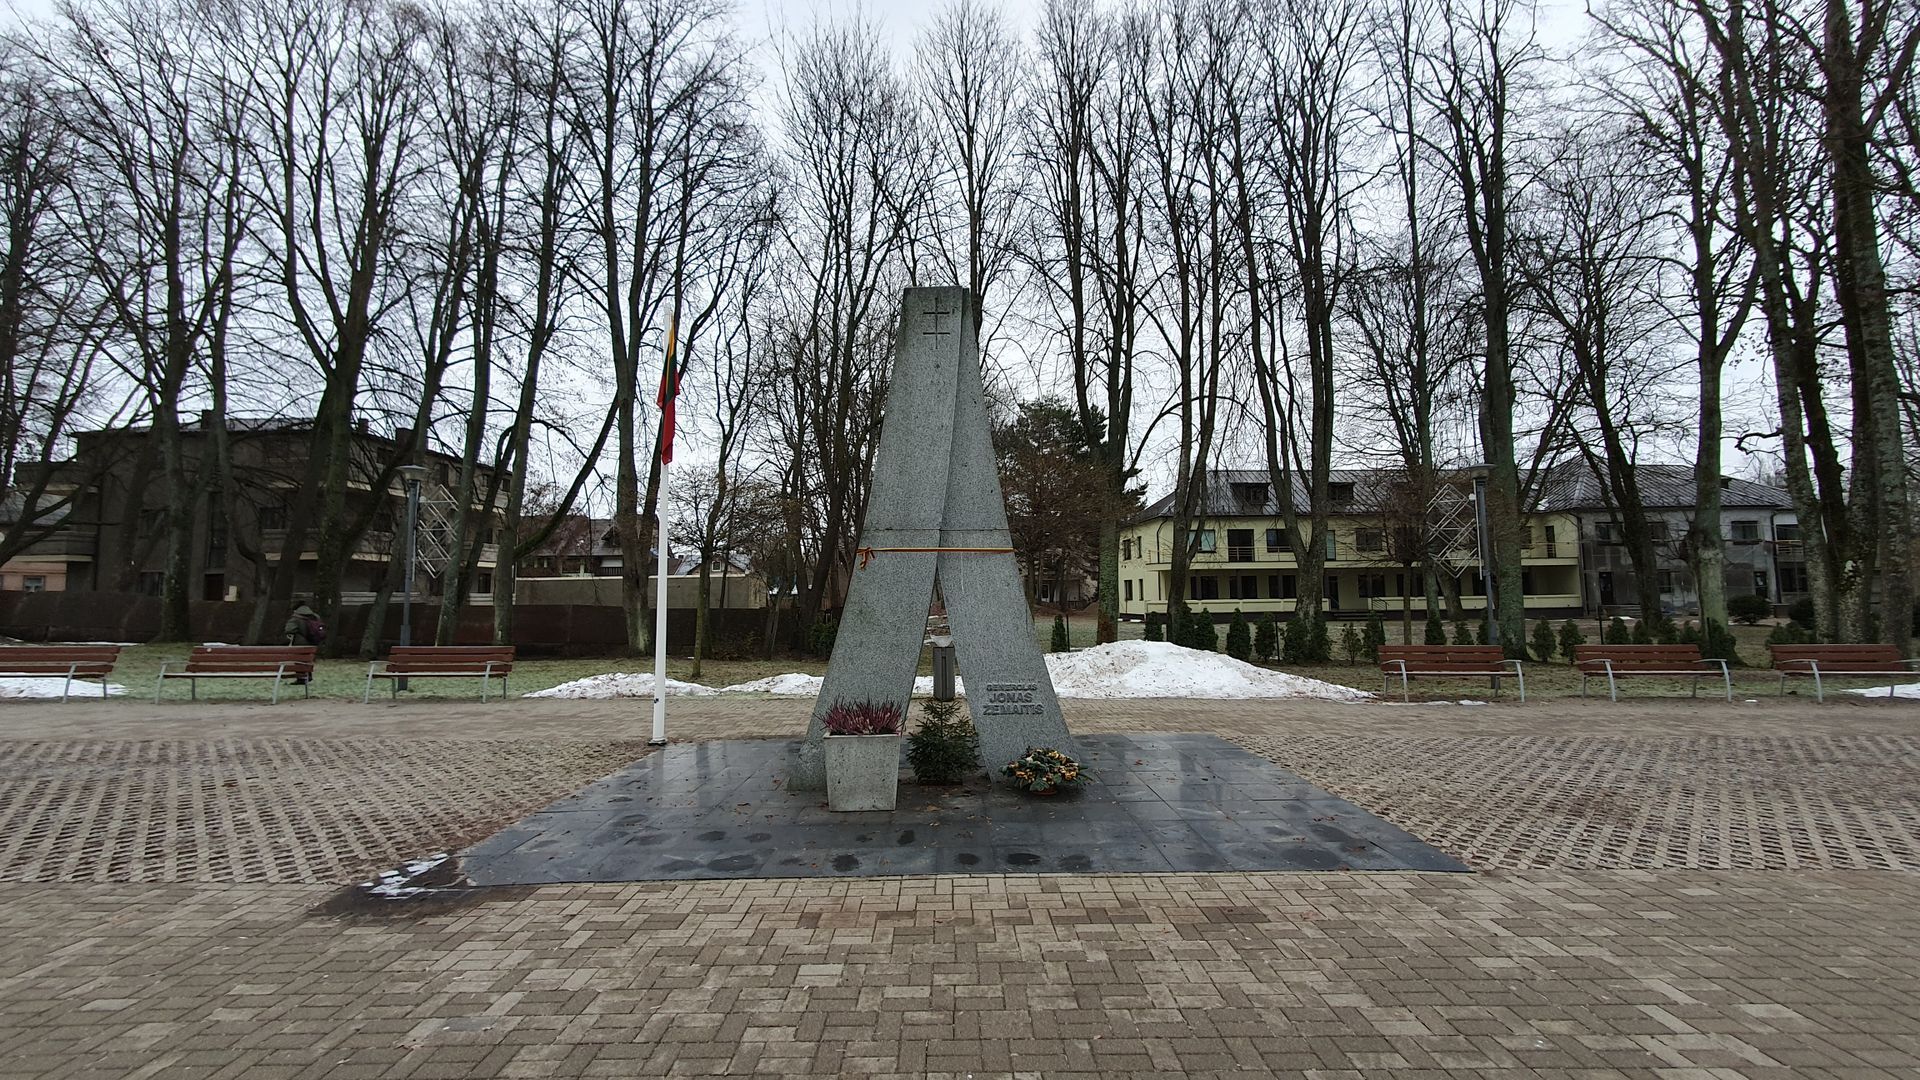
<point>303,627</point>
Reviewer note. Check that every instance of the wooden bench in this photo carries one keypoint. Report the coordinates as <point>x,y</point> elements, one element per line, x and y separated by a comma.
<point>276,662</point>
<point>483,662</point>
<point>1448,662</point>
<point>1824,661</point>
<point>69,662</point>
<point>1615,662</point>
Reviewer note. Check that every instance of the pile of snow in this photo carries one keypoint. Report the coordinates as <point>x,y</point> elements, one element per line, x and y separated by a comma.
<point>619,684</point>
<point>798,684</point>
<point>49,686</point>
<point>1160,669</point>
<point>792,684</point>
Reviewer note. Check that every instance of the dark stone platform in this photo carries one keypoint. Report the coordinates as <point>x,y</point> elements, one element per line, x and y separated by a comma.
<point>1156,803</point>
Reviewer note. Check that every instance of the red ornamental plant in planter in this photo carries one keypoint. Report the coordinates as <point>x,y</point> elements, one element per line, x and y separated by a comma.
<point>862,747</point>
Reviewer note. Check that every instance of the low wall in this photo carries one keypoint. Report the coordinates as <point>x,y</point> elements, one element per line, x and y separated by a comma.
<point>539,629</point>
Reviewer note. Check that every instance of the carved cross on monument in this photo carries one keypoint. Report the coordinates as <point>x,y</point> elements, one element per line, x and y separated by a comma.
<point>936,513</point>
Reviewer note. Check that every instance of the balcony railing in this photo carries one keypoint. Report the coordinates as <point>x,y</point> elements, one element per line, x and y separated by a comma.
<point>1239,552</point>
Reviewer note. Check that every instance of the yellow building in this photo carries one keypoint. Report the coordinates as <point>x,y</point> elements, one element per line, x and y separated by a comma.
<point>1243,557</point>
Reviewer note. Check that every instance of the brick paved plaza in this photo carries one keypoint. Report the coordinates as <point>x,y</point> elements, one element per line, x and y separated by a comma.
<point>1665,888</point>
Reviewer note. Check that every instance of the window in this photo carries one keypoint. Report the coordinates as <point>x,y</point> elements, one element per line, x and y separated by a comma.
<point>1250,493</point>
<point>1202,540</point>
<point>1793,579</point>
<point>1666,582</point>
<point>33,583</point>
<point>1340,492</point>
<point>1203,587</point>
<point>1606,532</point>
<point>1526,583</point>
<point>1239,545</point>
<point>1546,535</point>
<point>1745,532</point>
<point>1128,589</point>
<point>1333,545</point>
<point>1280,586</point>
<point>1277,540</point>
<point>1126,548</point>
<point>1786,532</point>
<point>1369,540</point>
<point>150,582</point>
<point>271,517</point>
<point>216,543</point>
<point>1657,531</point>
<point>1333,592</point>
<point>1373,585</point>
<point>1760,584</point>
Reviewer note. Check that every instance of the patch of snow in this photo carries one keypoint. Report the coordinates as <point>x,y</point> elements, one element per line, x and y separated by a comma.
<point>792,684</point>
<point>1900,690</point>
<point>392,884</point>
<point>619,684</point>
<point>48,686</point>
<point>1160,669</point>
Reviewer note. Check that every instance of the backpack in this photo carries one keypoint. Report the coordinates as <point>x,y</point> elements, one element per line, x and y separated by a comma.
<point>316,630</point>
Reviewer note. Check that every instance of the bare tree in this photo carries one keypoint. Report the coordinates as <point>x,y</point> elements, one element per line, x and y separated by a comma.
<point>854,168</point>
<point>971,80</point>
<point>1671,103</point>
<point>1476,71</point>
<point>1089,192</point>
<point>52,323</point>
<point>1591,247</point>
<point>1295,184</point>
<point>149,117</point>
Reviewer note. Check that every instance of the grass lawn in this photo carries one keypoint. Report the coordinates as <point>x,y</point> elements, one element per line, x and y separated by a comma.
<point>1555,679</point>
<point>346,679</point>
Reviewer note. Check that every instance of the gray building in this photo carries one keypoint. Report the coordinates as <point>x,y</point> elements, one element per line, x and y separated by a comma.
<point>1764,554</point>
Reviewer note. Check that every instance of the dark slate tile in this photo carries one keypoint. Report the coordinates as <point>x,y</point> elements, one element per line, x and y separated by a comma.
<point>1155,803</point>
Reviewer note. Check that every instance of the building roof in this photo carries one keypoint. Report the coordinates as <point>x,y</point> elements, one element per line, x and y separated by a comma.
<point>1574,485</point>
<point>1569,486</point>
<point>1231,493</point>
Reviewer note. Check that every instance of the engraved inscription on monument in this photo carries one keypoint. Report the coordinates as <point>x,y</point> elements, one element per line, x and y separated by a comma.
<point>1012,699</point>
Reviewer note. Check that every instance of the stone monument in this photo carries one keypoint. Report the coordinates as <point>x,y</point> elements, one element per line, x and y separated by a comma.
<point>936,513</point>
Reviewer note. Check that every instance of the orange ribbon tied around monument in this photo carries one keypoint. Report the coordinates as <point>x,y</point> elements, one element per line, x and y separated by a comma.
<point>867,553</point>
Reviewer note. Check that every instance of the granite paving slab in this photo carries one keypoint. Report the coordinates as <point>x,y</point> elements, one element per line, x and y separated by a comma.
<point>1154,803</point>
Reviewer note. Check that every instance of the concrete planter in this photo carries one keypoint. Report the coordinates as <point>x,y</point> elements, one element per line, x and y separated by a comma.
<point>863,771</point>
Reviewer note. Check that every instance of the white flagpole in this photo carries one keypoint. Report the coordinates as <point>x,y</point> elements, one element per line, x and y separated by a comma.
<point>660,621</point>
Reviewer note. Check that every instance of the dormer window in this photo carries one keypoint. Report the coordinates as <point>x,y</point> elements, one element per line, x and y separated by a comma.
<point>1340,491</point>
<point>1250,493</point>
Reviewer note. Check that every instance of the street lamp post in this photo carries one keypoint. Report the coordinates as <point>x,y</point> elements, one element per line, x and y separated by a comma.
<point>1486,555</point>
<point>410,476</point>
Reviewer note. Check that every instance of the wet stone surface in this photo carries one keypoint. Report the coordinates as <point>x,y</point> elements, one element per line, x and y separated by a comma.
<point>1155,803</point>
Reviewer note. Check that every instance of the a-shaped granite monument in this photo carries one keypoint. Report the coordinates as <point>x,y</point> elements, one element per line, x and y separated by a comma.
<point>936,513</point>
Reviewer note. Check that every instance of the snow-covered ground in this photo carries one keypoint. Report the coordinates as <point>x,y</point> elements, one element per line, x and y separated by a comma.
<point>1124,669</point>
<point>49,687</point>
<point>1901,690</point>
